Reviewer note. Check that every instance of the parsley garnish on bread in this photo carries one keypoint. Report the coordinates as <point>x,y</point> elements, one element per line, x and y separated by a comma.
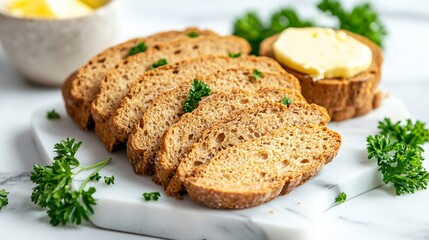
<point>138,48</point>
<point>198,90</point>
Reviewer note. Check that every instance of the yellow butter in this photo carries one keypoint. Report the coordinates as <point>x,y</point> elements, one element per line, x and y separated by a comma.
<point>322,52</point>
<point>48,8</point>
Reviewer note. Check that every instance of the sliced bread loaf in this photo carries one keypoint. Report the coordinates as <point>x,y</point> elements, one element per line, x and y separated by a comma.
<point>189,128</point>
<point>343,97</point>
<point>167,108</point>
<point>81,88</point>
<point>118,80</point>
<point>241,126</point>
<point>258,170</point>
<point>148,86</point>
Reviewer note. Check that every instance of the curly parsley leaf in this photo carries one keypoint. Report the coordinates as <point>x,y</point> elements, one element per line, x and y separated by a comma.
<point>52,115</point>
<point>257,74</point>
<point>151,196</point>
<point>3,198</point>
<point>193,34</point>
<point>397,149</point>
<point>138,48</point>
<point>159,63</point>
<point>53,185</point>
<point>95,177</point>
<point>234,55</point>
<point>362,19</point>
<point>286,101</point>
<point>341,197</point>
<point>198,90</point>
<point>109,180</point>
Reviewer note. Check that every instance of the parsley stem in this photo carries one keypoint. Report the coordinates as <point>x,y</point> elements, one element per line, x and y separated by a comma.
<point>99,166</point>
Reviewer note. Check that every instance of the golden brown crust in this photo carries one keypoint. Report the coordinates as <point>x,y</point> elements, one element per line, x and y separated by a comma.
<point>223,182</point>
<point>148,86</point>
<point>81,88</point>
<point>118,80</point>
<point>343,97</point>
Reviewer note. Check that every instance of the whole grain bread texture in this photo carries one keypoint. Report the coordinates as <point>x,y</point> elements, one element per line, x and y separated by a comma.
<point>144,142</point>
<point>81,87</point>
<point>256,171</point>
<point>344,98</point>
<point>152,83</point>
<point>118,80</point>
<point>241,126</point>
<point>189,127</point>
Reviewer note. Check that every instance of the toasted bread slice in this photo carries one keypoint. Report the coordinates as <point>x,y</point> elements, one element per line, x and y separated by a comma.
<point>343,97</point>
<point>148,86</point>
<point>117,82</point>
<point>167,108</point>
<point>81,88</point>
<point>258,170</point>
<point>244,125</point>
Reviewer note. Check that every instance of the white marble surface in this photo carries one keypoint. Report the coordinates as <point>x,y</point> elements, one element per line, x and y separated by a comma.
<point>377,214</point>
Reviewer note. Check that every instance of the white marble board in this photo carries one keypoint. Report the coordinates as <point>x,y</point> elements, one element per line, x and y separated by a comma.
<point>122,207</point>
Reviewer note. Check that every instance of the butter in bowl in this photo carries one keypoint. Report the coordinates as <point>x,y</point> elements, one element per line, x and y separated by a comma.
<point>46,40</point>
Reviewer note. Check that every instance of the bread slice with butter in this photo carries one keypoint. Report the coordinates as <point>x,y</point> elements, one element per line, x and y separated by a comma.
<point>344,98</point>
<point>256,171</point>
<point>242,126</point>
<point>149,85</point>
<point>118,80</point>
<point>81,87</point>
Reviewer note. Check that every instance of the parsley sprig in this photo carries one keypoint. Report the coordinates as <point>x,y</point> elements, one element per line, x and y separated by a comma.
<point>51,115</point>
<point>286,101</point>
<point>53,185</point>
<point>159,63</point>
<point>151,196</point>
<point>341,197</point>
<point>3,198</point>
<point>362,19</point>
<point>138,48</point>
<point>198,90</point>
<point>397,149</point>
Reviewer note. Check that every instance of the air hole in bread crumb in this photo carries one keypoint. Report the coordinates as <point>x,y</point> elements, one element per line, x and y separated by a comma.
<point>101,60</point>
<point>190,136</point>
<point>156,47</point>
<point>305,160</point>
<point>244,101</point>
<point>241,138</point>
<point>175,71</point>
<point>220,137</point>
<point>177,51</point>
<point>125,77</point>
<point>197,163</point>
<point>263,174</point>
<point>195,47</point>
<point>285,163</point>
<point>263,155</point>
<point>256,134</point>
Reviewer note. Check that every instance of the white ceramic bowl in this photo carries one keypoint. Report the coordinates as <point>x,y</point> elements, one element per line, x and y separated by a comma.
<point>46,51</point>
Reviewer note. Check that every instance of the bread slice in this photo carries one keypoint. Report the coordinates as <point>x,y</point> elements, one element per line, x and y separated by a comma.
<point>342,97</point>
<point>189,128</point>
<point>256,171</point>
<point>117,82</point>
<point>242,126</point>
<point>148,86</point>
<point>168,107</point>
<point>81,87</point>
